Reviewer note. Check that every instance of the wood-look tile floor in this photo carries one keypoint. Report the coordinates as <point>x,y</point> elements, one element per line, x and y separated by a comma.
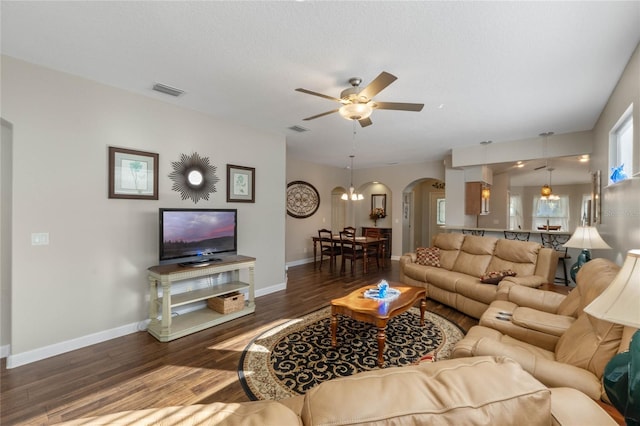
<point>136,371</point>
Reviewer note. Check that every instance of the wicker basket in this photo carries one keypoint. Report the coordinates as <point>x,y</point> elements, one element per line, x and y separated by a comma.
<point>227,303</point>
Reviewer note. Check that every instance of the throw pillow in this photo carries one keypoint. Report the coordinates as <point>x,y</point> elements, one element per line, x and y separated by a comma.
<point>428,256</point>
<point>495,277</point>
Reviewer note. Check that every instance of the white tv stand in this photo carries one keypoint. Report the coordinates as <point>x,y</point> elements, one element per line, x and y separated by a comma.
<point>164,327</point>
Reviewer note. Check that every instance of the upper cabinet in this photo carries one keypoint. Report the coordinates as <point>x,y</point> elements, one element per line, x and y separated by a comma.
<point>476,202</point>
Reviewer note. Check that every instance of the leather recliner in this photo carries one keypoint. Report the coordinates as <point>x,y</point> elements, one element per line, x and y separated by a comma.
<point>582,351</point>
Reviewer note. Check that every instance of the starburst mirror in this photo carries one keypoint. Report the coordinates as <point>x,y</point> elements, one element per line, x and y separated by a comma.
<point>193,177</point>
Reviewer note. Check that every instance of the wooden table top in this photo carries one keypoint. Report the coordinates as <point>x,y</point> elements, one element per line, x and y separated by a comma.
<point>356,302</point>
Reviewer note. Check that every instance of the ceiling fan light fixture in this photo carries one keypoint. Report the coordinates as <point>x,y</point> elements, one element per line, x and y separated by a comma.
<point>356,111</point>
<point>545,191</point>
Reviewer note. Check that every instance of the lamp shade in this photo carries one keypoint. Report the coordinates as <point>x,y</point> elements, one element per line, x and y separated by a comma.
<point>619,302</point>
<point>586,237</point>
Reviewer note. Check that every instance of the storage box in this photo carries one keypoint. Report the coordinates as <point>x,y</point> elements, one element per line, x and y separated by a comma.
<point>227,303</point>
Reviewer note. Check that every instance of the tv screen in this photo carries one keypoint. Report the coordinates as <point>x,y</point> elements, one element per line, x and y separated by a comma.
<point>194,236</point>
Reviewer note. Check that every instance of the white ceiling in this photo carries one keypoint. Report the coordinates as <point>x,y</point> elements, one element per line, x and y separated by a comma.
<point>498,71</point>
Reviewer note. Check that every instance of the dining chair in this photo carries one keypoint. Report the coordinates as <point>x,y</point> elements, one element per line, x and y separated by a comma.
<point>555,241</point>
<point>376,250</point>
<point>350,250</point>
<point>328,247</point>
<point>517,235</point>
<point>349,229</point>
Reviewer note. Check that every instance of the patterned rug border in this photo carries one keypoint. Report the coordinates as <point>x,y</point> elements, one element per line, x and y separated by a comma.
<point>303,321</point>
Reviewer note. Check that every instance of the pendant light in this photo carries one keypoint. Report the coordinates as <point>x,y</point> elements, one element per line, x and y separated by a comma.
<point>546,191</point>
<point>352,194</point>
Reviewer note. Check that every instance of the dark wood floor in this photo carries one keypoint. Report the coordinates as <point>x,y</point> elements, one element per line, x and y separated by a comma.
<point>136,371</point>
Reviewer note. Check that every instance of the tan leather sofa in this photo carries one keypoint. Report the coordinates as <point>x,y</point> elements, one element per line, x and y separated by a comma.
<point>465,258</point>
<point>481,390</point>
<point>578,358</point>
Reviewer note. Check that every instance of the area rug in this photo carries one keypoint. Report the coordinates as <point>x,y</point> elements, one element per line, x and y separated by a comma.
<point>295,356</point>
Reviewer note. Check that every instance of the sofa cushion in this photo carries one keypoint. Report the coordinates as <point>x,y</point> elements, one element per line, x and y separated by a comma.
<point>449,245</point>
<point>473,289</point>
<point>418,272</point>
<point>477,390</point>
<point>590,342</point>
<point>254,413</point>
<point>475,255</point>
<point>444,279</point>
<point>519,256</point>
<point>428,256</point>
<point>494,277</point>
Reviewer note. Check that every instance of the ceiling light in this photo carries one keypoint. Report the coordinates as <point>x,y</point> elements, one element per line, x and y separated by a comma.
<point>546,192</point>
<point>584,158</point>
<point>352,194</point>
<point>519,164</point>
<point>356,111</point>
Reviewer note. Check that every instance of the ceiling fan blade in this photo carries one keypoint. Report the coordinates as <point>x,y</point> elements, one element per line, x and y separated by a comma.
<point>320,115</point>
<point>399,106</point>
<point>365,122</point>
<point>309,92</point>
<point>378,84</point>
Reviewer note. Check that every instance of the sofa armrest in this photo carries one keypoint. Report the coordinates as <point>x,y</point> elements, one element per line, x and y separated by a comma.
<point>541,300</point>
<point>570,407</point>
<point>541,321</point>
<point>550,372</point>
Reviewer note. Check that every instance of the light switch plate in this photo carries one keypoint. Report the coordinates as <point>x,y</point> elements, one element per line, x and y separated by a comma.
<point>39,238</point>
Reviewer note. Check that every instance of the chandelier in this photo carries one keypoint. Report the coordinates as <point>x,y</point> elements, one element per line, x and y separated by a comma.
<point>352,195</point>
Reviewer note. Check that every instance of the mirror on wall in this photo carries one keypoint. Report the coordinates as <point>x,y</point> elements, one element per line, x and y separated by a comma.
<point>379,201</point>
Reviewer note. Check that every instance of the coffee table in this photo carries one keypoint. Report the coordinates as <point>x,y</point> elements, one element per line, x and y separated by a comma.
<point>378,313</point>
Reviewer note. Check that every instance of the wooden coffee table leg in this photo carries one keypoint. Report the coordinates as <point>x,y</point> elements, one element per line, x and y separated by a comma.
<point>334,327</point>
<point>382,336</point>
<point>423,307</point>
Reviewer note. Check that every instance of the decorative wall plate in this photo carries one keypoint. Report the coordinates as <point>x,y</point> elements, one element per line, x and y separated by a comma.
<point>303,199</point>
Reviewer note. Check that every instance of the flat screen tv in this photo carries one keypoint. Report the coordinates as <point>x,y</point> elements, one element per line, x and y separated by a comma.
<point>197,236</point>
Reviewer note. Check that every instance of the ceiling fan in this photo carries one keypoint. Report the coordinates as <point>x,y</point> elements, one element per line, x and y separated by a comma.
<point>358,104</point>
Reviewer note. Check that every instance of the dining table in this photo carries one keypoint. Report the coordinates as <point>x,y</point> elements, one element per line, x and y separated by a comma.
<point>363,242</point>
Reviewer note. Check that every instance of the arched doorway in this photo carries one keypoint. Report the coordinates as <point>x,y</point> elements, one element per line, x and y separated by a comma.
<point>423,209</point>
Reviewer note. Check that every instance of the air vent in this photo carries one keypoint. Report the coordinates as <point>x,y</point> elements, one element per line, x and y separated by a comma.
<point>167,90</point>
<point>298,129</point>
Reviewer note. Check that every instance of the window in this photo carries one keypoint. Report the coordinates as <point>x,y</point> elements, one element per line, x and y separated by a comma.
<point>515,212</point>
<point>621,148</point>
<point>554,212</point>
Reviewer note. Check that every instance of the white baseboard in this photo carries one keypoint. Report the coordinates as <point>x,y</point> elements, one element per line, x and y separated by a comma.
<point>272,289</point>
<point>299,262</point>
<point>5,351</point>
<point>70,345</point>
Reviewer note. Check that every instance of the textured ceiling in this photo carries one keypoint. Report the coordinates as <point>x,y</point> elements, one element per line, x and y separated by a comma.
<point>496,71</point>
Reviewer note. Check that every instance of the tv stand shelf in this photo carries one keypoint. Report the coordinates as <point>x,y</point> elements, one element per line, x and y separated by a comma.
<point>165,327</point>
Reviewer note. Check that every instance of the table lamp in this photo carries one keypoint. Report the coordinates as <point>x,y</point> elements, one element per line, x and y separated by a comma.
<point>620,303</point>
<point>585,238</point>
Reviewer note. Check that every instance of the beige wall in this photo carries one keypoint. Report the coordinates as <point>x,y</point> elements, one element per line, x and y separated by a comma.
<point>91,278</point>
<point>5,236</point>
<point>620,202</point>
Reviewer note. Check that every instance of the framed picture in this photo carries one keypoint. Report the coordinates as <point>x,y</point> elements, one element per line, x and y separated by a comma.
<point>133,174</point>
<point>596,206</point>
<point>241,184</point>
